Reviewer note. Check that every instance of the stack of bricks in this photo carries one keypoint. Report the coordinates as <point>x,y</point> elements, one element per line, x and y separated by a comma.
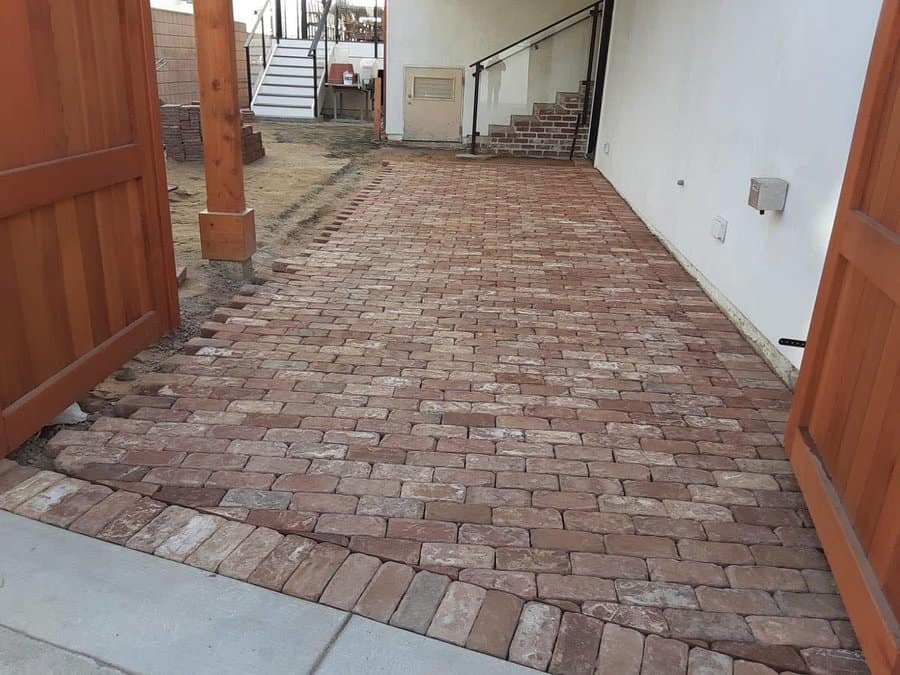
<point>251,141</point>
<point>183,136</point>
<point>547,132</point>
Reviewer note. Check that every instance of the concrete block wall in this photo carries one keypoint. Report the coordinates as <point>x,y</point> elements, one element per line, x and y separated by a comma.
<point>176,56</point>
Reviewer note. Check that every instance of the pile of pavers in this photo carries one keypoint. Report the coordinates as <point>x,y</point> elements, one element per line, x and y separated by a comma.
<point>183,136</point>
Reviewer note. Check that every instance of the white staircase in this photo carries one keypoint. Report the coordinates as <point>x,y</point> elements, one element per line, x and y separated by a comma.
<point>288,82</point>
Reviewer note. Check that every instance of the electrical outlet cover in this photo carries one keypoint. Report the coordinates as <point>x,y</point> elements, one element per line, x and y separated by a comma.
<point>719,228</point>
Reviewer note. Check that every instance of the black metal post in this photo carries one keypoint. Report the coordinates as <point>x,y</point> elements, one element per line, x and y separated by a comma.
<point>595,15</point>
<point>375,28</point>
<point>263,34</point>
<point>315,85</point>
<point>279,29</point>
<point>602,60</point>
<point>477,76</point>
<point>586,84</point>
<point>249,77</point>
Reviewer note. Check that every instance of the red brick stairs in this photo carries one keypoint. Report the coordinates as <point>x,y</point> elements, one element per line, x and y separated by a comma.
<point>546,132</point>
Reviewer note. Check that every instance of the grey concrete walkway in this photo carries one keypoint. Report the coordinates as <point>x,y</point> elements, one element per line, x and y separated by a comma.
<point>71,604</point>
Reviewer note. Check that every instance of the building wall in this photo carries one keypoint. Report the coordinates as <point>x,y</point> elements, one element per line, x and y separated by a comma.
<point>454,34</point>
<point>176,57</point>
<point>717,91</point>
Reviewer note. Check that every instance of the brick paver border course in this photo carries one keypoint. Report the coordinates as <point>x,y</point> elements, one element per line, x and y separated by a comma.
<point>536,634</point>
<point>488,406</point>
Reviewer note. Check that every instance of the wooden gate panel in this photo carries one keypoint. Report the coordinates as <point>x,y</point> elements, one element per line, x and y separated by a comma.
<point>86,260</point>
<point>843,435</point>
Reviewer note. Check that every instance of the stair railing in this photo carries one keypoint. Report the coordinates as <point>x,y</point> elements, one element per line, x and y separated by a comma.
<point>591,12</point>
<point>260,47</point>
<point>321,31</point>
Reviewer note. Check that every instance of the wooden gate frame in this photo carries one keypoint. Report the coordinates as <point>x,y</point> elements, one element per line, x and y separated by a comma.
<point>872,617</point>
<point>32,186</point>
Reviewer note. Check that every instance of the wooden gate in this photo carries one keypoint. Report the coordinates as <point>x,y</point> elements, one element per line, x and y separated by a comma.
<point>87,272</point>
<point>844,431</point>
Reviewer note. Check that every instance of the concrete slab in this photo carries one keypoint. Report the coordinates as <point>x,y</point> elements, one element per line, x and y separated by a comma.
<point>149,615</point>
<point>22,654</point>
<point>366,646</point>
<point>74,605</point>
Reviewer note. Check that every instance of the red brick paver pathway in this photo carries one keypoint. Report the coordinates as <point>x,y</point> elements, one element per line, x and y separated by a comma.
<point>490,407</point>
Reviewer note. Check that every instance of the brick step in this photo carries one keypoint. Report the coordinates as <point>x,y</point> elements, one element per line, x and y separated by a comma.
<point>546,132</point>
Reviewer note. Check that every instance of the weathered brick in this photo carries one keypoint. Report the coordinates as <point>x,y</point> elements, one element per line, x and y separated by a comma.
<point>458,513</point>
<point>739,601</point>
<point>130,520</point>
<point>163,526</point>
<point>324,503</point>
<point>532,644</point>
<point>686,572</point>
<point>641,546</point>
<point>28,488</point>
<point>715,552</point>
<point>606,523</point>
<point>490,535</point>
<point>419,604</point>
<point>349,582</point>
<point>315,571</point>
<point>76,505</point>
<point>765,578</point>
<point>577,645</point>
<point>527,517</point>
<point>400,550</point>
<point>656,594</point>
<point>457,555</point>
<point>609,566</point>
<point>532,560</point>
<point>281,562</point>
<point>457,613</point>
<point>185,541</point>
<point>700,625</point>
<point>522,584</point>
<point>575,588</point>
<point>493,629</point>
<point>256,499</point>
<point>793,631</point>
<point>704,662</point>
<point>372,526</point>
<point>621,651</point>
<point>246,557</point>
<point>664,656</point>
<point>38,505</point>
<point>210,554</point>
<point>381,597</point>
<point>645,619</point>
<point>816,605</point>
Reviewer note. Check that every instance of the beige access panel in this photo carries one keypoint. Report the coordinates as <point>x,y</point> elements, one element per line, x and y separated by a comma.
<point>433,104</point>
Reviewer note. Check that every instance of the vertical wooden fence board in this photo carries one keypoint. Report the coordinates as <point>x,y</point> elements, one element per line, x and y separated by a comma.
<point>86,258</point>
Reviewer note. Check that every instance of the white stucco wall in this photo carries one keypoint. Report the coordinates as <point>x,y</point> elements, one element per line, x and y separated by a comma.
<point>452,34</point>
<point>717,91</point>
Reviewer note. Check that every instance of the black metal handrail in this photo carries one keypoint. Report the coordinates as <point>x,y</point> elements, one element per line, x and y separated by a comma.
<point>535,33</point>
<point>260,25</point>
<point>321,28</point>
<point>594,12</point>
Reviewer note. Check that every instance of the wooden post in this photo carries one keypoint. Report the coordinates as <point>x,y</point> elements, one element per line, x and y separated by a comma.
<point>376,111</point>
<point>227,226</point>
